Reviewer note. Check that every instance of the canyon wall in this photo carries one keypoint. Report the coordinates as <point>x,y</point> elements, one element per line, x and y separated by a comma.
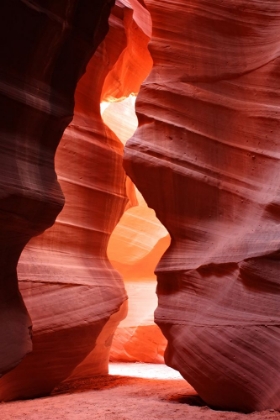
<point>206,158</point>
<point>74,296</point>
<point>43,57</point>
<point>38,79</point>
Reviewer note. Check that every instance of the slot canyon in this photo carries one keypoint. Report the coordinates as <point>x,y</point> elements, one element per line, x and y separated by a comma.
<point>139,208</point>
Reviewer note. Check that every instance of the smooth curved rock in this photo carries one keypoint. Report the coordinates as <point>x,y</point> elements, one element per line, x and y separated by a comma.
<point>206,158</point>
<point>41,61</point>
<point>38,79</point>
<point>74,296</point>
<point>135,62</point>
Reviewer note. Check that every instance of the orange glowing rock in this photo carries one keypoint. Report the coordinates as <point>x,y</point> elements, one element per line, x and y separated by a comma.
<point>138,242</point>
<point>135,247</point>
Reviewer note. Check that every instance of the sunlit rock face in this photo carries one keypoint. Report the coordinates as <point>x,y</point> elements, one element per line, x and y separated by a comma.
<point>38,79</point>
<point>134,63</point>
<point>139,239</point>
<point>206,158</point>
<point>135,247</point>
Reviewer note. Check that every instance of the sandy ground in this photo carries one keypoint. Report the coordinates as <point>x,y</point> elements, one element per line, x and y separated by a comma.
<point>131,392</point>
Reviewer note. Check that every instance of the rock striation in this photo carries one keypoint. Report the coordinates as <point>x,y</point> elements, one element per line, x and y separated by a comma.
<point>38,79</point>
<point>206,157</point>
<point>73,294</point>
<point>61,271</point>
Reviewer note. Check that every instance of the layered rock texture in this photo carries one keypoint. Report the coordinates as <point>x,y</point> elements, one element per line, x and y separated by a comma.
<point>73,294</point>
<point>206,158</point>
<point>68,284</point>
<point>42,58</point>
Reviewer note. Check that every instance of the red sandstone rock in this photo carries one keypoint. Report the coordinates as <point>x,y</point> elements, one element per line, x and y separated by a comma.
<point>206,158</point>
<point>38,79</point>
<point>134,63</point>
<point>67,282</point>
<point>72,292</point>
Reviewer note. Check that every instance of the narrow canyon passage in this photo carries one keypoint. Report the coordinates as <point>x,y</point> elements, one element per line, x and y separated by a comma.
<point>135,248</point>
<point>89,193</point>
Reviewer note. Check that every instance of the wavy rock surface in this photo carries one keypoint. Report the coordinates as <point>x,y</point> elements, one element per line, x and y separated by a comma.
<point>74,295</point>
<point>68,284</point>
<point>38,79</point>
<point>206,158</point>
<point>134,63</point>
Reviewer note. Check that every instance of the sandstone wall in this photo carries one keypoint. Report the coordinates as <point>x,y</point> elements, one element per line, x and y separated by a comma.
<point>205,157</point>
<point>73,294</point>
<point>41,61</point>
<point>208,147</point>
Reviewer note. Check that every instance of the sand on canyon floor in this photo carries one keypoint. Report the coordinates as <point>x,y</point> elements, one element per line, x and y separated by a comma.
<point>132,391</point>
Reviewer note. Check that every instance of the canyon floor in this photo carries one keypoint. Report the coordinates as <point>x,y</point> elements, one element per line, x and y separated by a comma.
<point>131,392</point>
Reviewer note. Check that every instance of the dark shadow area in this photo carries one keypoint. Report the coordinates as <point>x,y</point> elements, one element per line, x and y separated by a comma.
<point>192,400</point>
